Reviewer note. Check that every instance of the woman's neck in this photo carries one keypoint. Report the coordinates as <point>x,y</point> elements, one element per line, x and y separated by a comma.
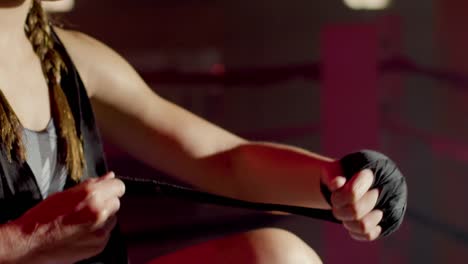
<point>13,15</point>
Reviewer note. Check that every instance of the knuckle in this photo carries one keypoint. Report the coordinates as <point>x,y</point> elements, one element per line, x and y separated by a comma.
<point>101,216</point>
<point>356,237</point>
<point>88,182</point>
<point>99,236</point>
<point>356,183</point>
<point>350,194</point>
<point>380,216</point>
<point>340,198</point>
<point>335,198</point>
<point>353,195</point>
<point>353,211</point>
<point>366,175</point>
<point>92,201</point>
<point>375,194</point>
<point>337,213</point>
<point>89,190</point>
<point>348,225</point>
<point>94,213</point>
<point>366,172</point>
<point>358,189</point>
<point>114,206</point>
<point>117,204</point>
<point>368,236</point>
<point>363,226</point>
<point>98,248</point>
<point>121,186</point>
<point>102,235</point>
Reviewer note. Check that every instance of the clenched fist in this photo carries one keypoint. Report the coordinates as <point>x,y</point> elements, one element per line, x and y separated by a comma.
<point>74,224</point>
<point>353,203</point>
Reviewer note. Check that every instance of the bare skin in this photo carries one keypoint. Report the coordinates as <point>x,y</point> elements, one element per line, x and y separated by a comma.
<point>164,136</point>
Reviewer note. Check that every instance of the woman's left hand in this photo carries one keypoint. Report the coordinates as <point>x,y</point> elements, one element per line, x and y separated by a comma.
<point>353,203</point>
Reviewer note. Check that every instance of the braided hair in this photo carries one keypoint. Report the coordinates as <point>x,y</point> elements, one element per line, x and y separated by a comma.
<point>70,147</point>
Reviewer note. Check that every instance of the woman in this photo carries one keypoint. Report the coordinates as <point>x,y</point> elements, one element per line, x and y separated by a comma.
<point>60,211</point>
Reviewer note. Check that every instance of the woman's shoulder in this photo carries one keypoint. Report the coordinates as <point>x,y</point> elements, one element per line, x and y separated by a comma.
<point>93,59</point>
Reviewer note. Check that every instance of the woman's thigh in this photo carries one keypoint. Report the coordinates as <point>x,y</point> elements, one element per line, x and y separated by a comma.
<point>261,246</point>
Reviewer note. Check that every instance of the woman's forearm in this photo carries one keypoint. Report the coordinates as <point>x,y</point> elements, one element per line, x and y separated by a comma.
<point>272,173</point>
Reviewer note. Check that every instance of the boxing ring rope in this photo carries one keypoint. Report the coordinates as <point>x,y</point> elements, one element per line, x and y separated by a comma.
<point>261,77</point>
<point>258,77</point>
<point>454,149</point>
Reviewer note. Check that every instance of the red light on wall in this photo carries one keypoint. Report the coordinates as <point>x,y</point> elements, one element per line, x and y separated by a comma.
<point>218,69</point>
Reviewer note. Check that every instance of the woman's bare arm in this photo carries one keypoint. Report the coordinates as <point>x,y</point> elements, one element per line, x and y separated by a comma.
<point>171,139</point>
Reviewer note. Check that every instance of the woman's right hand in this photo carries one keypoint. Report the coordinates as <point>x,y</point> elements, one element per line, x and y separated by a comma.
<point>74,224</point>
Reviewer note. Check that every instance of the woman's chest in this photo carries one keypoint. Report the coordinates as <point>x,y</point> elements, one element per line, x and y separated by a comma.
<point>28,96</point>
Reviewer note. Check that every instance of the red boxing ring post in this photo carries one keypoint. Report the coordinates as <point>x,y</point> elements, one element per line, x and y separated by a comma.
<point>349,113</point>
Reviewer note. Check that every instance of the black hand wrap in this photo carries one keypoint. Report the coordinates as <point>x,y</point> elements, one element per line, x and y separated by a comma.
<point>388,179</point>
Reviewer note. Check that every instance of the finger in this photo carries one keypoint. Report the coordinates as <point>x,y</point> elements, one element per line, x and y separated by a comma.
<point>372,235</point>
<point>336,183</point>
<point>102,210</point>
<point>95,213</point>
<point>112,206</point>
<point>86,183</point>
<point>354,189</point>
<point>102,200</point>
<point>105,228</point>
<point>366,224</point>
<point>107,176</point>
<point>332,176</point>
<point>71,199</point>
<point>359,209</point>
<point>101,189</point>
<point>109,188</point>
<point>95,235</point>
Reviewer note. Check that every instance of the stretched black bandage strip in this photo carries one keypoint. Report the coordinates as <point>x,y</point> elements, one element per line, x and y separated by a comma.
<point>392,197</point>
<point>140,186</point>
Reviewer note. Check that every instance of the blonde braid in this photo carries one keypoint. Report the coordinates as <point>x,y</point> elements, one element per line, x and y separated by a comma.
<point>38,30</point>
<point>11,133</point>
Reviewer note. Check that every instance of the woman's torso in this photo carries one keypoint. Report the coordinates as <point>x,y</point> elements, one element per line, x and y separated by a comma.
<point>22,185</point>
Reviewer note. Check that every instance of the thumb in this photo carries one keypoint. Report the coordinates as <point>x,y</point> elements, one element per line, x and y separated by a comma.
<point>332,176</point>
<point>109,175</point>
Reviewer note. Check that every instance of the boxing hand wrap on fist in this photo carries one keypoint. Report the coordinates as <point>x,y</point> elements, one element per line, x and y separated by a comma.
<point>392,199</point>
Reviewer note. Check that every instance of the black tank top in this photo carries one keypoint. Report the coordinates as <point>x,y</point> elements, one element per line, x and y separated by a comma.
<point>19,190</point>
